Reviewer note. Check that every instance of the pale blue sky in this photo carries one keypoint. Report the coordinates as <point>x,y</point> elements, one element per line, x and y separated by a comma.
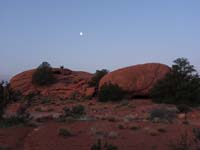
<point>117,33</point>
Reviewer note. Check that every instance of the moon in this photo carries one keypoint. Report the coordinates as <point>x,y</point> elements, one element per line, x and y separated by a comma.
<point>81,33</point>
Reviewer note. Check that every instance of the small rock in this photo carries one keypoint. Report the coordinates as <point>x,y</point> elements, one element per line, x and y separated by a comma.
<point>181,116</point>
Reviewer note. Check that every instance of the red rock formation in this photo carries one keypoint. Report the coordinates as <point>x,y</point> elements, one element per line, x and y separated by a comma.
<point>67,83</point>
<point>137,80</point>
<point>90,91</point>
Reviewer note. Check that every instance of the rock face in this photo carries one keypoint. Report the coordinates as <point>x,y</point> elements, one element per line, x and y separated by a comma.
<point>68,83</point>
<point>137,80</point>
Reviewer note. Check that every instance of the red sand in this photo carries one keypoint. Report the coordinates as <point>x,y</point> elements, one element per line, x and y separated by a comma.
<point>85,133</point>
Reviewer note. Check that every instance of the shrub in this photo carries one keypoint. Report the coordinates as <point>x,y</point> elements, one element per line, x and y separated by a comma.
<point>106,146</point>
<point>124,102</point>
<point>15,95</point>
<point>65,132</point>
<point>39,109</point>
<point>110,147</point>
<point>184,143</point>
<point>13,121</point>
<point>30,96</point>
<point>43,75</point>
<point>76,111</point>
<point>180,86</point>
<point>196,132</point>
<point>187,142</point>
<point>1,90</point>
<point>5,147</point>
<point>162,114</point>
<point>46,100</point>
<point>111,119</point>
<point>121,126</point>
<point>110,92</point>
<point>134,127</point>
<point>183,108</point>
<point>162,130</point>
<point>74,95</point>
<point>97,146</point>
<point>67,111</point>
<point>97,77</point>
<point>152,132</point>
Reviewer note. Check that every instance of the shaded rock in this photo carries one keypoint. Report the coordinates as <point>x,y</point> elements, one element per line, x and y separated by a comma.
<point>137,80</point>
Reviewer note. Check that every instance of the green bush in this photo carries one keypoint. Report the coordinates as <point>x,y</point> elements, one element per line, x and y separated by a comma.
<point>110,92</point>
<point>97,77</point>
<point>43,75</point>
<point>180,86</point>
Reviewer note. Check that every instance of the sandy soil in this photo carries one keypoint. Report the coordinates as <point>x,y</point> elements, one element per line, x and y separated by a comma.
<point>122,124</point>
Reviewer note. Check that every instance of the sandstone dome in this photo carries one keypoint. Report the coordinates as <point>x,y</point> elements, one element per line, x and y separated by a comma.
<point>67,83</point>
<point>136,80</point>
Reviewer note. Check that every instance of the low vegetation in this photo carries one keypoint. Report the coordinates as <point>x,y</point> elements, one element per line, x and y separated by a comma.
<point>100,146</point>
<point>183,143</point>
<point>162,114</point>
<point>97,77</point>
<point>46,100</point>
<point>43,75</point>
<point>187,142</point>
<point>134,127</point>
<point>184,109</point>
<point>152,132</point>
<point>180,86</point>
<point>110,92</point>
<point>161,130</point>
<point>74,96</point>
<point>121,126</point>
<point>4,147</point>
<point>7,95</point>
<point>13,121</point>
<point>76,111</point>
<point>64,132</point>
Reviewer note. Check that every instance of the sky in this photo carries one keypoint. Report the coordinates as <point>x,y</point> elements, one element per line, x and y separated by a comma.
<point>116,33</point>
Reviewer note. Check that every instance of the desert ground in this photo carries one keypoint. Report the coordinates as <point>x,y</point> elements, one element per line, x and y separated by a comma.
<point>125,124</point>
